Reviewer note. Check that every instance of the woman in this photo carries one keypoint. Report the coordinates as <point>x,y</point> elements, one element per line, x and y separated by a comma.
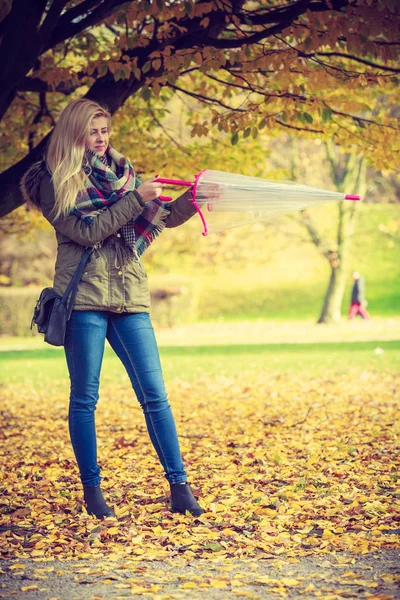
<point>92,197</point>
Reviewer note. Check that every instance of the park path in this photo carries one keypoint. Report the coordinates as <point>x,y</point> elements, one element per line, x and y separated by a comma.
<point>253,332</point>
<point>329,577</point>
<point>278,332</point>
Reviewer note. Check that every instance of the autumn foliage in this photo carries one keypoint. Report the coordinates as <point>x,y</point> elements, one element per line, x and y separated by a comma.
<point>285,466</point>
<point>308,67</point>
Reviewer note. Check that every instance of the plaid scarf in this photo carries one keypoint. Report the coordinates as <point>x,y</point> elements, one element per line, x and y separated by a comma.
<point>107,180</point>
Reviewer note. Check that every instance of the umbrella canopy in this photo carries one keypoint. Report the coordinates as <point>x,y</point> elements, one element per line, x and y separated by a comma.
<point>226,200</point>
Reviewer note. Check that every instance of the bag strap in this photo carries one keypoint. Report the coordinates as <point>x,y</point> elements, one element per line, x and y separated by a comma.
<point>73,284</point>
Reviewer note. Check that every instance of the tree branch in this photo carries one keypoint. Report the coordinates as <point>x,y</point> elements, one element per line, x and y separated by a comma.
<point>314,56</point>
<point>359,120</point>
<point>250,88</point>
<point>34,84</point>
<point>306,129</point>
<point>282,13</point>
<point>161,126</point>
<point>284,17</point>
<point>67,28</point>
<point>206,99</point>
<point>323,245</point>
<point>43,110</point>
<point>360,60</point>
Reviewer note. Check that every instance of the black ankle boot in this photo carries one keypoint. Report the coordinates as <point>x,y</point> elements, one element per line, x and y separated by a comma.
<point>95,503</point>
<point>182,499</point>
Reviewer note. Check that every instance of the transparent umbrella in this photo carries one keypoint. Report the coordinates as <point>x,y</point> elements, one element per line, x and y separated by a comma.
<point>226,200</point>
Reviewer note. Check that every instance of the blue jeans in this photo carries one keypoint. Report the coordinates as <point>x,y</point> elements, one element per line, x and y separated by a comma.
<point>132,338</point>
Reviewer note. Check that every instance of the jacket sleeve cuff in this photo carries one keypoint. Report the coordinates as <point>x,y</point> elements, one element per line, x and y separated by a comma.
<point>139,198</point>
<point>181,210</point>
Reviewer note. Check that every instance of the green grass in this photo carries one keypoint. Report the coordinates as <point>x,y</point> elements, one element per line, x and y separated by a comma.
<point>41,367</point>
<point>268,275</point>
<point>278,277</point>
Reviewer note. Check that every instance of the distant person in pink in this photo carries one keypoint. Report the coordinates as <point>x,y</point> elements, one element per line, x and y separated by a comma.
<point>358,301</point>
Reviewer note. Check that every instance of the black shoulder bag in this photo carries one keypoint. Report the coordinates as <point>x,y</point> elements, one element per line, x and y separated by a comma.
<point>53,311</point>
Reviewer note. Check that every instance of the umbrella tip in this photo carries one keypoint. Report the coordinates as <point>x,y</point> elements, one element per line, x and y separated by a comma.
<point>351,197</point>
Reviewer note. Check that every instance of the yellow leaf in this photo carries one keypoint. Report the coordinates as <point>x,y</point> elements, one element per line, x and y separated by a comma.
<point>364,583</point>
<point>17,566</point>
<point>328,534</point>
<point>123,510</point>
<point>158,530</point>
<point>28,588</point>
<point>237,583</point>
<point>189,585</point>
<point>264,579</point>
<point>363,80</point>
<point>112,530</point>
<point>217,583</point>
<point>288,582</point>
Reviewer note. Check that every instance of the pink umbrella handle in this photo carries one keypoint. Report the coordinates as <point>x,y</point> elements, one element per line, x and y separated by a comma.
<point>197,207</point>
<point>350,197</point>
<point>186,183</point>
<point>173,181</point>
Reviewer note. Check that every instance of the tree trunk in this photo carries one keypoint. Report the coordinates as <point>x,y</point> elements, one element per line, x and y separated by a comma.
<point>355,179</point>
<point>105,91</point>
<point>28,30</point>
<point>332,306</point>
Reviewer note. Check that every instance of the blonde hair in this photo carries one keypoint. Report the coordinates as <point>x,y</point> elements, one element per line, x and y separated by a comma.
<point>65,154</point>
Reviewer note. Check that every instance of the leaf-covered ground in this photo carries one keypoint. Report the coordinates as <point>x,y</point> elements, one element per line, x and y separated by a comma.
<point>288,468</point>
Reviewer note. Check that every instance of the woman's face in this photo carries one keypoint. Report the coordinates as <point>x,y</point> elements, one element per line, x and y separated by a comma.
<point>98,137</point>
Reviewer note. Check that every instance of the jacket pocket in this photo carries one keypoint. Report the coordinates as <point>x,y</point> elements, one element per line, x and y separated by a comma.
<point>93,286</point>
<point>137,295</point>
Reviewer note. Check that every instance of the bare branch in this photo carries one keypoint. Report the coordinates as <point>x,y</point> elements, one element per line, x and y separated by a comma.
<point>306,129</point>
<point>173,140</point>
<point>323,245</point>
<point>359,120</point>
<point>354,134</point>
<point>250,88</point>
<point>36,120</point>
<point>358,59</point>
<point>203,98</point>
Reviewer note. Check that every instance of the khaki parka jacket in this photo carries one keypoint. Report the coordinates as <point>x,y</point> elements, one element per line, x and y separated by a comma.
<point>114,279</point>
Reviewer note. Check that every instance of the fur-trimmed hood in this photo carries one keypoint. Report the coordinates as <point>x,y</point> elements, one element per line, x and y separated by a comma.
<point>30,183</point>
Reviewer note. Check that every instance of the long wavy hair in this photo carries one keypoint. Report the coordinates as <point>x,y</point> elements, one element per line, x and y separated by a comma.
<point>65,155</point>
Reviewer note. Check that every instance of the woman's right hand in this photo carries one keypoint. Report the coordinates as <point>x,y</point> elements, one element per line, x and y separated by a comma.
<point>150,189</point>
